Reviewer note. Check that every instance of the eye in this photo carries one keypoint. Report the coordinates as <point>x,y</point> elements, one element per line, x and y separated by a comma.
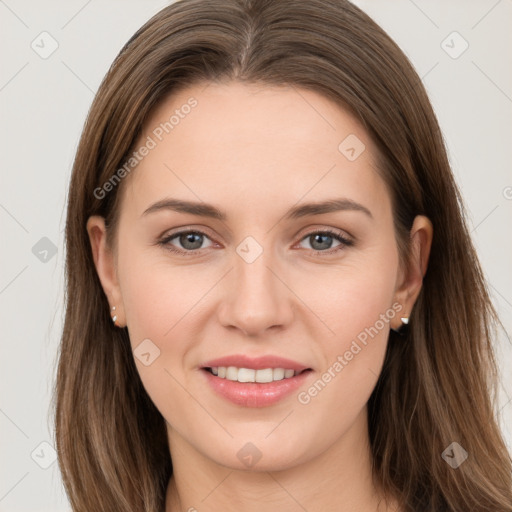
<point>321,241</point>
<point>189,241</point>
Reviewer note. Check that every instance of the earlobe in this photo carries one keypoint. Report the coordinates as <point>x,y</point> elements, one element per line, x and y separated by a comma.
<point>104,262</point>
<point>407,292</point>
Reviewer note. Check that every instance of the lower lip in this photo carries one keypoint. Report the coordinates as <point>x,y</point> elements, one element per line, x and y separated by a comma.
<point>255,394</point>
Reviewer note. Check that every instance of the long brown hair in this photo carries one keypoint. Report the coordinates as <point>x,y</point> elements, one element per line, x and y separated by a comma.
<point>439,380</point>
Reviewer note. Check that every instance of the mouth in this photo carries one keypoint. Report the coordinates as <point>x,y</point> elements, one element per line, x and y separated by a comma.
<point>254,382</point>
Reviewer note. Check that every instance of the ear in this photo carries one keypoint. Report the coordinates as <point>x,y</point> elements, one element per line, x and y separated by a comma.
<point>410,279</point>
<point>104,260</point>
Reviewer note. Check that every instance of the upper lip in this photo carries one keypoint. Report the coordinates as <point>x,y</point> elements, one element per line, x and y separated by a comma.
<point>255,363</point>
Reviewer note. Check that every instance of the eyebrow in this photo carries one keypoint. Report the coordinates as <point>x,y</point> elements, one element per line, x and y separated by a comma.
<point>207,210</point>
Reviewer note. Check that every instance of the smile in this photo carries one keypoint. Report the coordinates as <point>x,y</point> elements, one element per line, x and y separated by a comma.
<point>251,375</point>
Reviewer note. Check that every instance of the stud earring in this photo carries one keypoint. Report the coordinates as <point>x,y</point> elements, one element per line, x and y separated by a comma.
<point>405,321</point>
<point>113,314</point>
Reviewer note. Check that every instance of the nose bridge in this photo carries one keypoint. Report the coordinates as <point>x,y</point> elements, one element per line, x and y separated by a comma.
<point>256,299</point>
<point>254,279</point>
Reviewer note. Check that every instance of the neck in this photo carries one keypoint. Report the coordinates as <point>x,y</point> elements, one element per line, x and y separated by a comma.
<point>339,479</point>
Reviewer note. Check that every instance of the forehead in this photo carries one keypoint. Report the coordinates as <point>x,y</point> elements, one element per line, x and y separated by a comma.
<point>254,144</point>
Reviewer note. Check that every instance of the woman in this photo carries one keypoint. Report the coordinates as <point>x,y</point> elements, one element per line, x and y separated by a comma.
<point>273,299</point>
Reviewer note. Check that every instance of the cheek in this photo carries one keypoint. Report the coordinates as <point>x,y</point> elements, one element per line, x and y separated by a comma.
<point>157,297</point>
<point>164,305</point>
<point>356,303</point>
<point>359,313</point>
<point>161,303</point>
<point>351,297</point>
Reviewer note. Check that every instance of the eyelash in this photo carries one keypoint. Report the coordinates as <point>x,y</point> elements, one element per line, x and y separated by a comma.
<point>344,242</point>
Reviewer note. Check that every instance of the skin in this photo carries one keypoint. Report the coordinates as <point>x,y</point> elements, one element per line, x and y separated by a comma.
<point>254,152</point>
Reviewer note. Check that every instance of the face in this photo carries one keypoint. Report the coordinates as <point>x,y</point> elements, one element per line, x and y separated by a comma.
<point>250,277</point>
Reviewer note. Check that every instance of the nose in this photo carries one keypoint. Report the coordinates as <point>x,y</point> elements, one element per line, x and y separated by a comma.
<point>256,297</point>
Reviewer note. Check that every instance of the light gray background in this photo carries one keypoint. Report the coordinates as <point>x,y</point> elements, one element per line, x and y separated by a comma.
<point>43,106</point>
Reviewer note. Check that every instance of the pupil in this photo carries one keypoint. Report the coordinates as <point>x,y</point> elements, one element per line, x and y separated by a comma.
<point>324,245</point>
<point>187,239</point>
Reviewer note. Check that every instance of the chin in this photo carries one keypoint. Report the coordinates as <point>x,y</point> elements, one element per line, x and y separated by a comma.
<point>257,454</point>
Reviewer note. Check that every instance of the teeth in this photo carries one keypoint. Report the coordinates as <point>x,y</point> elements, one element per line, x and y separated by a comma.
<point>251,375</point>
<point>232,373</point>
<point>245,375</point>
<point>266,375</point>
<point>278,373</point>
